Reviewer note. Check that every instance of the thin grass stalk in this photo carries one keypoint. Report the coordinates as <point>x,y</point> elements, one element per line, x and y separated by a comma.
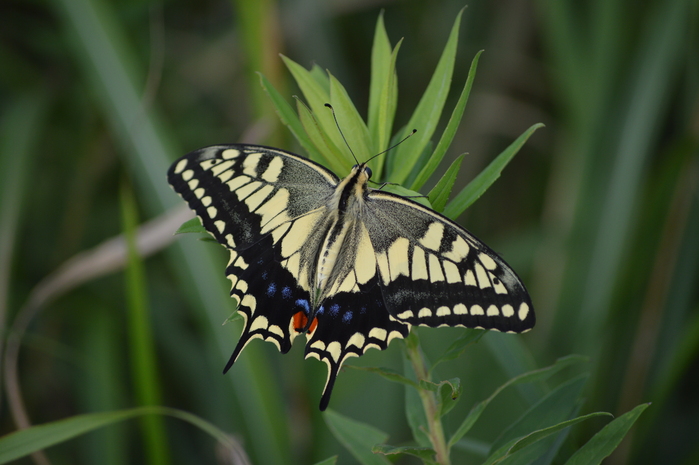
<point>141,343</point>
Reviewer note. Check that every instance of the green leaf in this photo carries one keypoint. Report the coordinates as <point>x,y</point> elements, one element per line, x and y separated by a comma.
<point>316,97</point>
<point>326,151</point>
<point>321,77</point>
<point>487,177</point>
<point>603,443</point>
<point>383,91</point>
<point>450,131</point>
<point>329,461</point>
<point>349,121</point>
<point>387,373</point>
<point>428,111</point>
<point>290,119</point>
<point>141,343</point>
<point>359,438</point>
<point>538,435</point>
<point>531,376</point>
<point>440,192</point>
<point>24,442</point>
<point>426,454</point>
<point>380,70</point>
<point>191,226</point>
<point>553,408</point>
<point>449,394</point>
<point>470,336</point>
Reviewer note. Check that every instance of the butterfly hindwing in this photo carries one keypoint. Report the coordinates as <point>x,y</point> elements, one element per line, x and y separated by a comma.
<point>352,323</point>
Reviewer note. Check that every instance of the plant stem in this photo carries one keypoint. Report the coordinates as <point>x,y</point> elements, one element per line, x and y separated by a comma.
<point>429,404</point>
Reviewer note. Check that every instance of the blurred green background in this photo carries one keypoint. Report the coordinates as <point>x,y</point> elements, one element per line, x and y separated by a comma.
<point>599,213</point>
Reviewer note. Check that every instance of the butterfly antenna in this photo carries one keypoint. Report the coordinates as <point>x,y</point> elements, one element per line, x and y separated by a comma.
<point>343,136</point>
<point>394,145</point>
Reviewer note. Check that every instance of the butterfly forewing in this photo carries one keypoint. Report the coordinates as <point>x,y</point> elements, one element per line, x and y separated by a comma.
<point>350,266</point>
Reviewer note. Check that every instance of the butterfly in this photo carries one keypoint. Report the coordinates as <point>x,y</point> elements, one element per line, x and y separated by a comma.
<point>349,266</point>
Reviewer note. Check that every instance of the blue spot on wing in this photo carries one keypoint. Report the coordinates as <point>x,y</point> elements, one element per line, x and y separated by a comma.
<point>303,303</point>
<point>334,308</point>
<point>271,289</point>
<point>286,292</point>
<point>347,317</point>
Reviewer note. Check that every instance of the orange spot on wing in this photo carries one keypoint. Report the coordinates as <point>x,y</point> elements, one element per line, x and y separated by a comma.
<point>300,320</point>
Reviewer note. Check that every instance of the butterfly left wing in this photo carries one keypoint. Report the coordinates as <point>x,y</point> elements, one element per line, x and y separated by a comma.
<point>258,202</point>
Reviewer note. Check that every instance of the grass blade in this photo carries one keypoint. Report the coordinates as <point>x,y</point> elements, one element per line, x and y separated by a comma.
<point>141,343</point>
<point>24,442</point>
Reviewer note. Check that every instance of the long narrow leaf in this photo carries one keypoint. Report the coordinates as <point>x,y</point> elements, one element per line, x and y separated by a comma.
<point>325,150</point>
<point>428,111</point>
<point>555,407</point>
<point>487,177</point>
<point>450,131</point>
<point>383,92</point>
<point>141,344</point>
<point>289,118</point>
<point>536,375</point>
<point>440,192</point>
<point>24,442</point>
<point>351,123</point>
<point>316,97</point>
<point>538,435</point>
<point>380,69</point>
<point>607,439</point>
<point>359,438</point>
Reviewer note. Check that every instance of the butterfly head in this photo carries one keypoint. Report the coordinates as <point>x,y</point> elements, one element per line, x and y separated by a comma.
<point>363,172</point>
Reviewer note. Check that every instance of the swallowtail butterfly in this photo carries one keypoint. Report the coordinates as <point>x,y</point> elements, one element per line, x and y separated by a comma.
<point>350,266</point>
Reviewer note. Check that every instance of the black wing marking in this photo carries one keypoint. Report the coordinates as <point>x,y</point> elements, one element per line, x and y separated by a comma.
<point>241,192</point>
<point>248,198</point>
<point>349,324</point>
<point>267,296</point>
<point>434,272</point>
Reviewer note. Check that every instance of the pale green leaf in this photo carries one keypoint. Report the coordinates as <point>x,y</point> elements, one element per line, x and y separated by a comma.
<point>191,226</point>
<point>350,122</point>
<point>290,119</point>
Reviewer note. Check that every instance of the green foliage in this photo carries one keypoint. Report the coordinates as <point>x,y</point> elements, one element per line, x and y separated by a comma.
<point>598,214</point>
